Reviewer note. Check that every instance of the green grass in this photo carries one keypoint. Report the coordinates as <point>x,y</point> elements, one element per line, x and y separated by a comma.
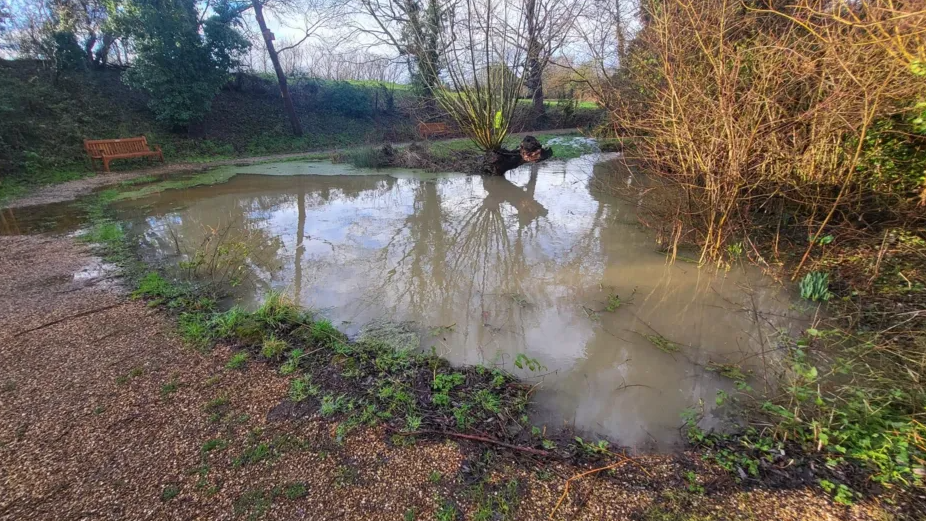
<point>302,388</point>
<point>154,286</point>
<point>278,310</point>
<point>238,360</point>
<point>105,232</point>
<point>195,330</point>
<point>253,454</point>
<point>273,347</point>
<point>292,362</point>
<point>447,511</point>
<point>170,491</point>
<point>37,176</point>
<point>217,404</point>
<point>170,388</point>
<point>210,177</point>
<point>499,504</point>
<point>295,490</point>
<point>212,445</point>
<point>135,372</point>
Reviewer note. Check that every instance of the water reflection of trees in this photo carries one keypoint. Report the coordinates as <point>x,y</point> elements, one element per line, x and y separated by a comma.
<point>233,221</point>
<point>473,259</point>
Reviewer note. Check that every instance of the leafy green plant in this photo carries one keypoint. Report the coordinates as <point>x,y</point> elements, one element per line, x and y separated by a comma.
<point>462,414</point>
<point>532,364</point>
<point>488,400</point>
<point>735,250</point>
<point>302,388</point>
<point>815,286</point>
<point>412,423</point>
<point>332,404</point>
<point>613,303</point>
<point>693,485</point>
<point>446,382</point>
<point>592,448</point>
<point>181,69</point>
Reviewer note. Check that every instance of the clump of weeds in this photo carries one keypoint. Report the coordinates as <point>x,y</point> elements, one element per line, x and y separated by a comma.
<point>238,360</point>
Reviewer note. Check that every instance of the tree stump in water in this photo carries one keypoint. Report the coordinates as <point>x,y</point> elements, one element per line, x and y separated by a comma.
<point>497,162</point>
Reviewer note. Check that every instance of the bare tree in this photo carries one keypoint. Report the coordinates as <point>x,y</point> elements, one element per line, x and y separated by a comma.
<point>547,26</point>
<point>417,29</point>
<point>485,74</point>
<point>603,31</point>
<point>281,76</point>
<point>314,16</point>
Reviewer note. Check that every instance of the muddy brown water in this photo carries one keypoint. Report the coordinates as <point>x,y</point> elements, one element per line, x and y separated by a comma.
<point>540,263</point>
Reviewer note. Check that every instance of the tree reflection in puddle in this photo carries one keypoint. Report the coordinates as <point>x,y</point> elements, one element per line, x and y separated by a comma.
<point>538,263</point>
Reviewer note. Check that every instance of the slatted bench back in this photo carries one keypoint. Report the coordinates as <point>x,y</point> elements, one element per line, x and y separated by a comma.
<point>433,129</point>
<point>113,147</point>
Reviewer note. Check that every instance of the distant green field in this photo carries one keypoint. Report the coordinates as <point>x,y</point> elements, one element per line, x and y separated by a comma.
<point>374,83</point>
<point>588,105</point>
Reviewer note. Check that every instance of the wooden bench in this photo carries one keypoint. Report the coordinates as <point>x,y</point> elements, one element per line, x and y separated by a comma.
<point>426,130</point>
<point>108,149</point>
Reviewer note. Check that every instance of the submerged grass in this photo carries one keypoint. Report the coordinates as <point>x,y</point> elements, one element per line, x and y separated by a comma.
<point>211,177</point>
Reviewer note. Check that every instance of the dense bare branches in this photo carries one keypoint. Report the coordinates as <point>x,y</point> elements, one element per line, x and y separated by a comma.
<point>540,29</point>
<point>786,120</point>
<point>417,30</point>
<point>484,71</point>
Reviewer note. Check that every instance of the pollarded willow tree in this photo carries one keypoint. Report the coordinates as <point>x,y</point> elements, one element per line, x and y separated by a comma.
<point>485,73</point>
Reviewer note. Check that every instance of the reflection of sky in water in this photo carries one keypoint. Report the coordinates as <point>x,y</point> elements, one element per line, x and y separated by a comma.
<point>522,264</point>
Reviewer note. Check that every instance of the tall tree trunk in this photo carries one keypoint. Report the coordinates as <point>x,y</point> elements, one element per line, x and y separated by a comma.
<point>88,50</point>
<point>534,79</point>
<point>619,33</point>
<point>281,77</point>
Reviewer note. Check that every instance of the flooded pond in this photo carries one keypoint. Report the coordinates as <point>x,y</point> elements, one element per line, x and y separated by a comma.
<point>538,264</point>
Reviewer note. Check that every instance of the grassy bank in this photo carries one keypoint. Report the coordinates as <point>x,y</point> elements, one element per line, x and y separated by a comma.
<point>47,117</point>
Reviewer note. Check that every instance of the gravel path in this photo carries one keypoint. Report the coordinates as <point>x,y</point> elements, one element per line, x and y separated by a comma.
<point>104,414</point>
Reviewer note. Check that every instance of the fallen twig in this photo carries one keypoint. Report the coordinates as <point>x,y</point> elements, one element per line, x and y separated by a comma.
<point>529,450</point>
<point>60,320</point>
<point>586,473</point>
